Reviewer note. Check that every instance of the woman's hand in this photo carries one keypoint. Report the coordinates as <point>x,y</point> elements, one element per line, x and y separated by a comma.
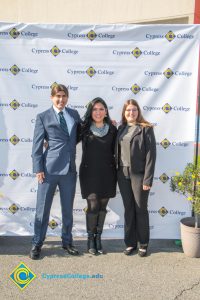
<point>146,187</point>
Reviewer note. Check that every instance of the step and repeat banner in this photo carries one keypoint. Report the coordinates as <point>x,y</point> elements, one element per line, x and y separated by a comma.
<point>155,65</point>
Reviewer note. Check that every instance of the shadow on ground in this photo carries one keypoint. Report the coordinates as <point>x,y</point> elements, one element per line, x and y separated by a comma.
<point>16,245</point>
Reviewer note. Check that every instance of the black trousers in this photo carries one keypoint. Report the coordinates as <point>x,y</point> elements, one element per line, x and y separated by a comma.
<point>136,216</point>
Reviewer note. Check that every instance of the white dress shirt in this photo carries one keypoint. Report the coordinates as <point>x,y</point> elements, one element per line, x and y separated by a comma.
<point>69,120</point>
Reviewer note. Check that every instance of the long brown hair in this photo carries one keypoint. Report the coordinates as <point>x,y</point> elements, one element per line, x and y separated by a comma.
<point>88,115</point>
<point>140,119</point>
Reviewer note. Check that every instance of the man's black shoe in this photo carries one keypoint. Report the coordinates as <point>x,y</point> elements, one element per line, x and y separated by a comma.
<point>35,252</point>
<point>71,249</point>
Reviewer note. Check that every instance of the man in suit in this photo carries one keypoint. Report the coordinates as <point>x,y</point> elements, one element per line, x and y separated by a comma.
<point>55,166</point>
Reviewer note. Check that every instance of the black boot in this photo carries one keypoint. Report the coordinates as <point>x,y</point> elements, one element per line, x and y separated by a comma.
<point>91,223</point>
<point>100,223</point>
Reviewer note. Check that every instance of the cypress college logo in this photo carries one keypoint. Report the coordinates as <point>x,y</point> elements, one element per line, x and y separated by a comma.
<point>14,104</point>
<point>53,224</point>
<point>14,33</point>
<point>22,276</point>
<point>91,35</point>
<point>55,51</point>
<point>14,140</point>
<point>90,72</point>
<point>166,108</point>
<point>164,178</point>
<point>169,36</point>
<point>13,208</point>
<point>15,70</point>
<point>14,174</point>
<point>41,87</point>
<point>166,143</point>
<point>137,52</point>
<point>168,73</point>
<point>135,88</point>
<point>163,211</point>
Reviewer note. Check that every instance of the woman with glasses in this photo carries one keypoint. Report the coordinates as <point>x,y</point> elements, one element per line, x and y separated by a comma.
<point>97,170</point>
<point>135,159</point>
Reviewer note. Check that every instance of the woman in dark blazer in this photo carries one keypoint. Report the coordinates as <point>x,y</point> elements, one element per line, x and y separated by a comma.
<point>97,170</point>
<point>135,158</point>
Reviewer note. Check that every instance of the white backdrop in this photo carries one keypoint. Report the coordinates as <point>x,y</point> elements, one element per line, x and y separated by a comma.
<point>155,65</point>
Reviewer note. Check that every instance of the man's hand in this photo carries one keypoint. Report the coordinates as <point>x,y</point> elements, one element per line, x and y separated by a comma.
<point>40,177</point>
<point>114,122</point>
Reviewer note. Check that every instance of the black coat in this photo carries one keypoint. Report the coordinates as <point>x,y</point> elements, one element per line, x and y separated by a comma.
<point>142,152</point>
<point>97,172</point>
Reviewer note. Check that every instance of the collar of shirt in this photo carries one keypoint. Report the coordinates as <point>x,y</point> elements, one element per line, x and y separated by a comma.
<point>69,120</point>
<point>57,110</point>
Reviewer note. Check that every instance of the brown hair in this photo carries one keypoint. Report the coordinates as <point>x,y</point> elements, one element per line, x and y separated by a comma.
<point>140,119</point>
<point>59,88</point>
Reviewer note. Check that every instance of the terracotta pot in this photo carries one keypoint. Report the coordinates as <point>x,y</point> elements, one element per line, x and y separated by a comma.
<point>190,237</point>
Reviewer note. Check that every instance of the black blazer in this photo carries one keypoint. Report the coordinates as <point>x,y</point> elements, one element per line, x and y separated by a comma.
<point>142,151</point>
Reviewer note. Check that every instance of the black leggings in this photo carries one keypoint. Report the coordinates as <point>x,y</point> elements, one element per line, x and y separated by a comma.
<point>95,205</point>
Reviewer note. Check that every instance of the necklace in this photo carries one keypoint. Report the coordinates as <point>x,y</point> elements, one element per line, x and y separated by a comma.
<point>99,131</point>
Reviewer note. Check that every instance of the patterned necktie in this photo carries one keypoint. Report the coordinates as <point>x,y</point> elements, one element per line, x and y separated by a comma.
<point>63,123</point>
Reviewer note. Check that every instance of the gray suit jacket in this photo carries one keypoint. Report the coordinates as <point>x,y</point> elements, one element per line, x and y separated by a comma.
<point>61,150</point>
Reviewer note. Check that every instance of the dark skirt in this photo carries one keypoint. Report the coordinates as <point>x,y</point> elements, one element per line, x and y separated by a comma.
<point>99,180</point>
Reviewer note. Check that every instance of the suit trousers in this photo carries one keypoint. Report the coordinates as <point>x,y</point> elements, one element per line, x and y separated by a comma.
<point>136,216</point>
<point>45,194</point>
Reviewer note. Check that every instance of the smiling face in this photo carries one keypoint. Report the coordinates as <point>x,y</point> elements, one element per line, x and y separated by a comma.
<point>98,113</point>
<point>59,100</point>
<point>131,114</point>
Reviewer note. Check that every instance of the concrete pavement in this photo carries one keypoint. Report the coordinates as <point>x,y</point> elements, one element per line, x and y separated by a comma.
<point>166,273</point>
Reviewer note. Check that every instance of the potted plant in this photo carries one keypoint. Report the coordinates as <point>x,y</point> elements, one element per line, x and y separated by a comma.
<point>188,184</point>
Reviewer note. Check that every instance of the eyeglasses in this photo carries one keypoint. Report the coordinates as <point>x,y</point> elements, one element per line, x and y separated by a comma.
<point>131,109</point>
